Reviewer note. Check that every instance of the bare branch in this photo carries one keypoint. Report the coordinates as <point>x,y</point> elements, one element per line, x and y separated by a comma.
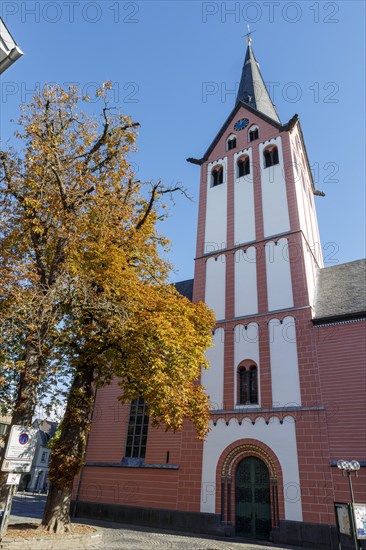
<point>102,163</point>
<point>170,190</point>
<point>61,188</point>
<point>149,206</point>
<point>156,191</point>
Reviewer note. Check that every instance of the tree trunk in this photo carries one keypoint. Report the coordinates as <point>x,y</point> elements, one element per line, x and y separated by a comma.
<point>68,449</point>
<point>56,518</point>
<point>24,409</point>
<point>26,400</point>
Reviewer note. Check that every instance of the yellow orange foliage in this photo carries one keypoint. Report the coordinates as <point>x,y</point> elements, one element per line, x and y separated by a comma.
<point>81,274</point>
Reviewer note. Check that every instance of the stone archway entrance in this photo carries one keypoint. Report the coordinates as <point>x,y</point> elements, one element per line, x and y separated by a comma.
<point>249,490</point>
<point>252,499</point>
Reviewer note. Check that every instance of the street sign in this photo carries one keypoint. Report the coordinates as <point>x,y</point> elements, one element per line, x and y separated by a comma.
<point>21,444</point>
<point>13,479</point>
<point>16,466</point>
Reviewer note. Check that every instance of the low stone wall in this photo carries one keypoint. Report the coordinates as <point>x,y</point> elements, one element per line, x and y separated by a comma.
<point>311,535</point>
<point>176,520</point>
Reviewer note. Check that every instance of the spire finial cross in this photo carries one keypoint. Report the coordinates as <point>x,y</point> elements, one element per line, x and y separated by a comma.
<point>249,38</point>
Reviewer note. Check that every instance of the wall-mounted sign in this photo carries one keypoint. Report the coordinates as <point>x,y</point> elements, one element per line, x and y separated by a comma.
<point>360,520</point>
<point>343,517</point>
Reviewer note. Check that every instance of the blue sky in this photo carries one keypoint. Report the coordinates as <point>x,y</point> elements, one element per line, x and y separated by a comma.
<point>165,58</point>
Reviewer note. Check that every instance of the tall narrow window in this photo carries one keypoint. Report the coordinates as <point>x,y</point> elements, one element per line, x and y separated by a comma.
<point>248,385</point>
<point>231,143</point>
<point>137,429</point>
<point>217,175</point>
<point>243,165</point>
<point>270,156</point>
<point>253,134</point>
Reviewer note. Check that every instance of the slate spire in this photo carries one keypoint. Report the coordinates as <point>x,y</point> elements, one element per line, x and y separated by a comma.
<point>252,89</point>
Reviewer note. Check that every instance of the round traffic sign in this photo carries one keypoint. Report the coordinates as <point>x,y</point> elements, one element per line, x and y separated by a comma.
<point>23,438</point>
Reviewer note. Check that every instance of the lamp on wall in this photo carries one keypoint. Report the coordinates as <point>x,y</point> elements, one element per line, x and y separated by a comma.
<point>352,466</point>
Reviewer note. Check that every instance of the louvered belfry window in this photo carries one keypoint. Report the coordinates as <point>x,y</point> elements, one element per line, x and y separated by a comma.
<point>217,176</point>
<point>253,134</point>
<point>248,385</point>
<point>243,166</point>
<point>270,156</point>
<point>231,143</point>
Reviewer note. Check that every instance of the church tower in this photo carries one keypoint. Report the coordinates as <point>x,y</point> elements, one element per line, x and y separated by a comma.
<point>256,260</point>
<point>287,377</point>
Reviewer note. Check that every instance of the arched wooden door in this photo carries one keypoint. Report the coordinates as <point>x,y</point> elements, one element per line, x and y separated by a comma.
<point>252,499</point>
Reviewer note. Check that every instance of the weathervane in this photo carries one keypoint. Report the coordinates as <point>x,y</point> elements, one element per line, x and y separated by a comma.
<point>249,39</point>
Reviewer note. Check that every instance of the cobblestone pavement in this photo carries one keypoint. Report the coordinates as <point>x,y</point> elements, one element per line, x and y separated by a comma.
<point>30,507</point>
<point>117,537</point>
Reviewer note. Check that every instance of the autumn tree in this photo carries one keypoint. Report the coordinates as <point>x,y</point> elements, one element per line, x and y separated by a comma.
<point>44,186</point>
<point>43,189</point>
<point>82,276</point>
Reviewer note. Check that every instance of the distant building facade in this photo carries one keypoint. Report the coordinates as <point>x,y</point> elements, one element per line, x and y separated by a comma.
<point>287,381</point>
<point>37,479</point>
<point>5,422</point>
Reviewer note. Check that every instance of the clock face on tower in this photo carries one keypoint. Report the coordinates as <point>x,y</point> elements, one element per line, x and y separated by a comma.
<point>241,124</point>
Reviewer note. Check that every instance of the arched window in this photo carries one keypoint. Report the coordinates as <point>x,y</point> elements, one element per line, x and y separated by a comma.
<point>243,166</point>
<point>248,385</point>
<point>231,143</point>
<point>217,175</point>
<point>253,133</point>
<point>270,156</point>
